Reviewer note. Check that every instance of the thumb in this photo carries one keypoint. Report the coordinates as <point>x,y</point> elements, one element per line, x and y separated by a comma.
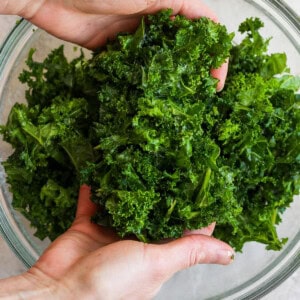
<point>220,74</point>
<point>189,251</point>
<point>85,207</point>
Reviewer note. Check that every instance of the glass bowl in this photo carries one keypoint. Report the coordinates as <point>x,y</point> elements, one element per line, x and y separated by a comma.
<point>256,271</point>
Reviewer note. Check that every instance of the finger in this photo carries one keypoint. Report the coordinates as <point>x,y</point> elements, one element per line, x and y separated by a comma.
<point>198,249</point>
<point>82,223</point>
<point>196,9</point>
<point>189,251</point>
<point>189,8</point>
<point>85,206</point>
<point>208,230</point>
<point>220,74</point>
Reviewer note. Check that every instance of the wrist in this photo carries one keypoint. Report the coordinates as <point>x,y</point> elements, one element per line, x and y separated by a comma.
<point>31,286</point>
<point>9,7</point>
<point>22,8</point>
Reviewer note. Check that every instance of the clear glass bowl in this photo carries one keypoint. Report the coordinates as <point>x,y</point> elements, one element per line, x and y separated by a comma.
<point>255,271</point>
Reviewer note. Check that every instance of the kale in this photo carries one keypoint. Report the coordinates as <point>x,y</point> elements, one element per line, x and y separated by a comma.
<point>142,124</point>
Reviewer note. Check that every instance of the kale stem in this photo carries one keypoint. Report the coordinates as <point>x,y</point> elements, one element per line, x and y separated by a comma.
<point>202,195</point>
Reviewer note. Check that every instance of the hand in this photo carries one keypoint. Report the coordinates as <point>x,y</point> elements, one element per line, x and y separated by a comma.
<point>91,23</point>
<point>91,262</point>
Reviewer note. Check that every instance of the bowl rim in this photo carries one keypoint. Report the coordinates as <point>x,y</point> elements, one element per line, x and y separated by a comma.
<point>17,241</point>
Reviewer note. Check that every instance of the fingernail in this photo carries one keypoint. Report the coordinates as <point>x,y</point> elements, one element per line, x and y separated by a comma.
<point>226,256</point>
<point>219,87</point>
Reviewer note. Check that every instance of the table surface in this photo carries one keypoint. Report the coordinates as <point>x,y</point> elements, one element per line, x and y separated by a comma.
<point>11,265</point>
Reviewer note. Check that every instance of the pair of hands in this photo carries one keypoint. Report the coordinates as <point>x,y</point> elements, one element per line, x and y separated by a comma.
<point>88,261</point>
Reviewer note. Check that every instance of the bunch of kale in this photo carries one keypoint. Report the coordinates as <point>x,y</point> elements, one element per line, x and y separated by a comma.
<point>141,122</point>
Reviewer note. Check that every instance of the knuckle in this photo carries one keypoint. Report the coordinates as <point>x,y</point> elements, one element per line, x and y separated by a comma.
<point>196,256</point>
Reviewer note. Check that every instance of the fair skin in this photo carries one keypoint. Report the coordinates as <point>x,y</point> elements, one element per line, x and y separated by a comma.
<point>89,261</point>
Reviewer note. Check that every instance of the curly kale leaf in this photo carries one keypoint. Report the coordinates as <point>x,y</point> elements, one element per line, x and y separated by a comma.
<point>51,145</point>
<point>250,56</point>
<point>231,157</point>
<point>45,162</point>
<point>150,131</point>
<point>141,122</point>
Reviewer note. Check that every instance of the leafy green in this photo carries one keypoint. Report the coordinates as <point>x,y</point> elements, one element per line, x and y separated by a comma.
<point>141,123</point>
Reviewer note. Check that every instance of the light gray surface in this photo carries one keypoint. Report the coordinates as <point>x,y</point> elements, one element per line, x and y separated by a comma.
<point>10,264</point>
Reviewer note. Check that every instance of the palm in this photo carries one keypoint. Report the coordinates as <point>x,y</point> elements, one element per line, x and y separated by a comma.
<point>85,238</point>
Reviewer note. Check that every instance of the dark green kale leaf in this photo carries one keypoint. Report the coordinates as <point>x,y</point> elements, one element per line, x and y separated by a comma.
<point>259,138</point>
<point>141,122</point>
<point>251,56</point>
<point>51,146</point>
<point>150,133</point>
